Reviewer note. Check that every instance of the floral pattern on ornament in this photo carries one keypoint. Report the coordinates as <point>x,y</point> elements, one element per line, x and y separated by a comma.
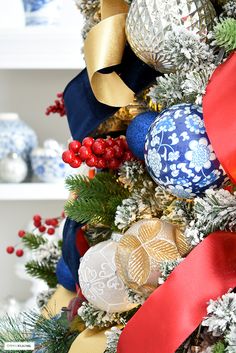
<point>178,153</point>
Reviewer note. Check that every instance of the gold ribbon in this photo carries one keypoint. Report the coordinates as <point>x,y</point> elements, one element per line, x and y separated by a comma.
<point>90,341</point>
<point>143,247</point>
<point>103,48</point>
<point>60,298</point>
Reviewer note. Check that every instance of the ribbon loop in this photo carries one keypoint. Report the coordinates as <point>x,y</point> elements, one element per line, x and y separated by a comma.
<point>103,48</point>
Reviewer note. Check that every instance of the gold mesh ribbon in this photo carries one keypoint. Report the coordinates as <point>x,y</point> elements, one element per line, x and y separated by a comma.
<point>143,247</point>
<point>103,48</point>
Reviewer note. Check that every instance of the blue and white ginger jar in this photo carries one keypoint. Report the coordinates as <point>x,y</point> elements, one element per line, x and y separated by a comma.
<point>15,136</point>
<point>179,155</point>
<point>47,163</point>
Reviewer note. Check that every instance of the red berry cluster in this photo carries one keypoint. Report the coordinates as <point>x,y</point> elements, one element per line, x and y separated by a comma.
<point>46,226</point>
<point>58,107</point>
<point>99,153</point>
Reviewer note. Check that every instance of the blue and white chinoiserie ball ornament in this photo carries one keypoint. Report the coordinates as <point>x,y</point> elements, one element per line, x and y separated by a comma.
<point>178,153</point>
<point>137,131</point>
<point>64,276</point>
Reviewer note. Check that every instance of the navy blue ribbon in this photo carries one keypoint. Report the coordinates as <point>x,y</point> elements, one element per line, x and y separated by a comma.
<point>84,114</point>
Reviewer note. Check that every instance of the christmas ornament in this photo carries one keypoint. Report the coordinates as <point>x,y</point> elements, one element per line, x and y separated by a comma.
<point>98,279</point>
<point>13,169</point>
<point>121,119</point>
<point>178,153</point>
<point>137,131</point>
<point>149,21</point>
<point>64,275</point>
<point>143,246</point>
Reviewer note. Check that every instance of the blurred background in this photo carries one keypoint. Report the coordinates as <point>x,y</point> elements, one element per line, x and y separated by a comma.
<point>40,52</point>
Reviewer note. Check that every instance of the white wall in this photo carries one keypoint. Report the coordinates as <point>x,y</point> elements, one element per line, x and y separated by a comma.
<point>28,92</point>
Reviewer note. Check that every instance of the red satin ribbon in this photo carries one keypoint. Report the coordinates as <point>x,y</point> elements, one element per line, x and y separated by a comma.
<point>219,111</point>
<point>175,309</point>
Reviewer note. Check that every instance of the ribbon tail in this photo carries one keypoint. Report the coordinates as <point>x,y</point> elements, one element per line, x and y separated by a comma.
<point>219,106</point>
<point>177,308</point>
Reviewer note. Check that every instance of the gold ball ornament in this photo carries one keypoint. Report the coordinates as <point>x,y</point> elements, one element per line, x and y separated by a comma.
<point>141,249</point>
<point>149,21</point>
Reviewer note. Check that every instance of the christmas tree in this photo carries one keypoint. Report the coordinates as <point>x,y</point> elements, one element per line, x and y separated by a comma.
<point>150,235</point>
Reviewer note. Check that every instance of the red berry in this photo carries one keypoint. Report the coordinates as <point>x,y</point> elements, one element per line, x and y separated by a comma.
<point>10,249</point>
<point>119,151</point>
<point>101,163</point>
<point>120,141</point>
<point>76,163</point>
<point>63,214</point>
<point>92,161</point>
<point>42,229</point>
<point>37,224</point>
<point>21,233</point>
<point>110,142</point>
<point>88,141</point>
<point>51,231</point>
<point>37,218</point>
<point>128,156</point>
<point>68,156</point>
<point>85,153</point>
<point>109,153</point>
<point>99,146</point>
<point>74,146</point>
<point>48,221</point>
<point>54,222</point>
<point>19,252</point>
<point>114,163</point>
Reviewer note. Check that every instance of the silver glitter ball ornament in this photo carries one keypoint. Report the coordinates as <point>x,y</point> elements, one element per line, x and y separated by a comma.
<point>149,22</point>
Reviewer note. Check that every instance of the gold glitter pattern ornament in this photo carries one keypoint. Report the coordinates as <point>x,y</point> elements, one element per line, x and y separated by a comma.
<point>139,252</point>
<point>121,119</point>
<point>149,21</point>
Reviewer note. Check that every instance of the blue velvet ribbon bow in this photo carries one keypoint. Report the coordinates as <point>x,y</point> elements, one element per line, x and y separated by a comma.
<point>85,113</point>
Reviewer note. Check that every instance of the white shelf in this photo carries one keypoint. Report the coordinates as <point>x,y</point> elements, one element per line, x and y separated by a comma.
<point>33,191</point>
<point>41,48</point>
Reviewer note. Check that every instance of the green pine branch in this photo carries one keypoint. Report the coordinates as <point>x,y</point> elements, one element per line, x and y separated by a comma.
<point>13,330</point>
<point>32,241</point>
<point>46,272</point>
<point>225,34</point>
<point>219,347</point>
<point>98,198</point>
<point>215,211</point>
<point>102,185</point>
<point>51,334</point>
